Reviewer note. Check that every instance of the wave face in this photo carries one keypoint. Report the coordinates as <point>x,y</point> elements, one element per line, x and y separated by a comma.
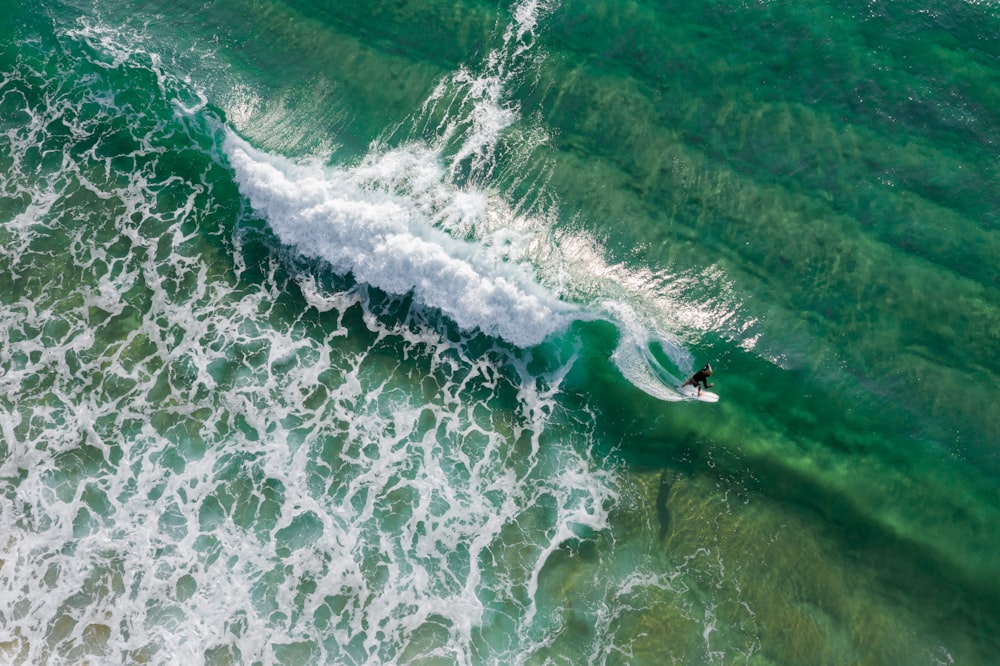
<point>338,333</point>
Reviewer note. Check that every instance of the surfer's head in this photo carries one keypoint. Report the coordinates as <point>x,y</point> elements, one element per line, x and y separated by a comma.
<point>707,369</point>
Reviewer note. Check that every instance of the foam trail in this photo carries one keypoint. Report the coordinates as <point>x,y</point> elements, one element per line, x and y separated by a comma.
<point>635,360</point>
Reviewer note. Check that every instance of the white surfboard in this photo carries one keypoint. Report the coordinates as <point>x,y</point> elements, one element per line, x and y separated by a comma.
<point>692,392</point>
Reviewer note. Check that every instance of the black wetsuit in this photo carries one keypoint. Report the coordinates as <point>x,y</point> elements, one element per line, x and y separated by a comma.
<point>700,376</point>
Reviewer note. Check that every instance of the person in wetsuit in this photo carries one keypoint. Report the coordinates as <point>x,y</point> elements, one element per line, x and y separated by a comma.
<point>700,378</point>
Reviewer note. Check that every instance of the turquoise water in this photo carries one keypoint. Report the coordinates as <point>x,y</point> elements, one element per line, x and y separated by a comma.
<point>337,333</point>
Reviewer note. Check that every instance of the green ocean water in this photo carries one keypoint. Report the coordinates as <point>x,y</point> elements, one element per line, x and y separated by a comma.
<point>338,333</point>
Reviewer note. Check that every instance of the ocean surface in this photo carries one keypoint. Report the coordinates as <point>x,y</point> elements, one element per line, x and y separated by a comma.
<point>341,332</point>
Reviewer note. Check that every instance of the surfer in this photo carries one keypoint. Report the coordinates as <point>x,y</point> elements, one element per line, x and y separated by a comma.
<point>700,378</point>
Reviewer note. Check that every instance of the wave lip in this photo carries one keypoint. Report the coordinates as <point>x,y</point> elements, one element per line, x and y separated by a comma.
<point>388,239</point>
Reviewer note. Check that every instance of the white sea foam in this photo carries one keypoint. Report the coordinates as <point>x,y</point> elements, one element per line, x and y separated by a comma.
<point>194,473</point>
<point>398,222</point>
<point>358,225</point>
